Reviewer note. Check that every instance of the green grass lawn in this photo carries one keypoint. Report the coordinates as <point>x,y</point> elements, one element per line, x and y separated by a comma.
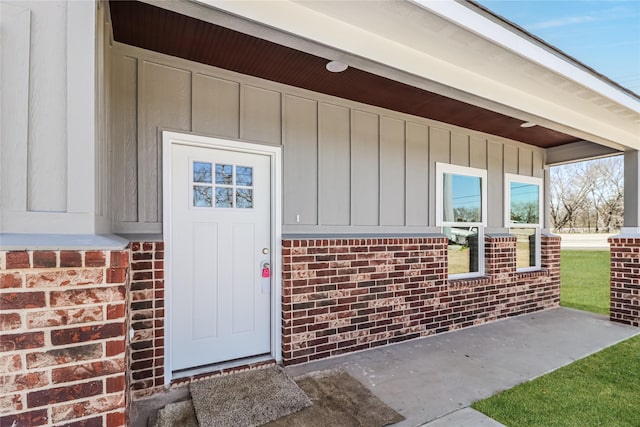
<point>584,279</point>
<point>600,390</point>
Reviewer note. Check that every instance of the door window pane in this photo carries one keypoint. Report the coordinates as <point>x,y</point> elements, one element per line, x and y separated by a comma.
<point>202,196</point>
<point>244,176</point>
<point>232,186</point>
<point>224,197</point>
<point>244,198</point>
<point>201,172</point>
<point>224,174</point>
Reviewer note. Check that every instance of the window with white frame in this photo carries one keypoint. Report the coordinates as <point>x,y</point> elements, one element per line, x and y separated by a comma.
<point>461,211</point>
<point>523,217</point>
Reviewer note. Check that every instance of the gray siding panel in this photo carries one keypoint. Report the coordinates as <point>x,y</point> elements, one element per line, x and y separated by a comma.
<point>165,102</point>
<point>538,164</point>
<point>495,176</point>
<point>510,159</point>
<point>417,175</point>
<point>216,118</point>
<point>261,117</point>
<point>439,152</point>
<point>14,134</point>
<point>301,161</point>
<point>392,171</point>
<point>125,141</point>
<point>347,167</point>
<point>335,165</point>
<point>525,162</point>
<point>459,149</point>
<point>478,153</point>
<point>364,168</point>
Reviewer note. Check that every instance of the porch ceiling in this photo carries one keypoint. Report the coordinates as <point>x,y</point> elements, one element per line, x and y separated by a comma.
<point>161,30</point>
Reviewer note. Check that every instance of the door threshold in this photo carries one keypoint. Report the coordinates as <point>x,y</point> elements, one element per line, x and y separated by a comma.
<point>246,363</point>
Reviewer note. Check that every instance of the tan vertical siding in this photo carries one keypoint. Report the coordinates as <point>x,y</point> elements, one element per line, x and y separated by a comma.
<point>334,164</point>
<point>347,167</point>
<point>365,173</point>
<point>216,118</point>
<point>164,101</point>
<point>301,157</point>
<point>417,175</point>
<point>392,171</point>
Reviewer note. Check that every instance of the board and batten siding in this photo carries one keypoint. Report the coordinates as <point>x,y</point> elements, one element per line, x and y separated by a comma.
<point>347,167</point>
<point>54,139</point>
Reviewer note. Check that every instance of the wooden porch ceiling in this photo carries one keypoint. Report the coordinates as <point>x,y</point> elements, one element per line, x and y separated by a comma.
<point>160,30</point>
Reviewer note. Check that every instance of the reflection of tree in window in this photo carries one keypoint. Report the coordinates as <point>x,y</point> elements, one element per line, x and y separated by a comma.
<point>524,203</point>
<point>244,176</point>
<point>224,197</point>
<point>202,196</point>
<point>244,198</point>
<point>462,198</point>
<point>201,172</point>
<point>224,174</point>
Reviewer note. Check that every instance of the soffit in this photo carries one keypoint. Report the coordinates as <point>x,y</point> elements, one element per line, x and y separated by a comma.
<point>158,29</point>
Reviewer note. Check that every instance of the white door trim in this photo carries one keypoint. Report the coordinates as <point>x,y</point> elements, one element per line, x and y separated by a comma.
<point>275,154</point>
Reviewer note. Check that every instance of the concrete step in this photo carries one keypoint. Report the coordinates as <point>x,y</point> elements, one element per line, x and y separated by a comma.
<point>176,414</point>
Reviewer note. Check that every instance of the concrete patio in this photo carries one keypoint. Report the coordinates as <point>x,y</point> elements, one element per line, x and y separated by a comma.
<point>432,381</point>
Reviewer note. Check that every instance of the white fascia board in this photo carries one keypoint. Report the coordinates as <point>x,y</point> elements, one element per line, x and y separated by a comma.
<point>301,21</point>
<point>498,34</point>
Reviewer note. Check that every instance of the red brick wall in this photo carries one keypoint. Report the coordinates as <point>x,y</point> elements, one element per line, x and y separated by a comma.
<point>346,295</point>
<point>146,310</point>
<point>625,280</point>
<point>63,343</point>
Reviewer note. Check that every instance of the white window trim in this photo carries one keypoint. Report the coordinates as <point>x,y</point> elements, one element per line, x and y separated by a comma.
<point>509,178</point>
<point>441,169</point>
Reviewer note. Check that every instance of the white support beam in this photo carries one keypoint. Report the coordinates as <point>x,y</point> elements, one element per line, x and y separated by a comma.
<point>631,188</point>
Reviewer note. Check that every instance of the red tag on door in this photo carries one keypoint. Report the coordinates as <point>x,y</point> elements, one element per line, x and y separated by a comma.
<point>266,272</point>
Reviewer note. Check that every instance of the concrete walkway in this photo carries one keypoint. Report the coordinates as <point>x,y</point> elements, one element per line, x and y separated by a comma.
<point>432,381</point>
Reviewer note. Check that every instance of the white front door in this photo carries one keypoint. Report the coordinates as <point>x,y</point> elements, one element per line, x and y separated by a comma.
<point>220,250</point>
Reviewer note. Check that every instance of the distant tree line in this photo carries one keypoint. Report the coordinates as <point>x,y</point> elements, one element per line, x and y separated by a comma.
<point>588,196</point>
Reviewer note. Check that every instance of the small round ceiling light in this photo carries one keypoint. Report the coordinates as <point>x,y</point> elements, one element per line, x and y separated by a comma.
<point>527,125</point>
<point>336,66</point>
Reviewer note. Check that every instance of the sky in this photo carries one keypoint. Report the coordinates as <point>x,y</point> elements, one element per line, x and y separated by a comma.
<point>603,34</point>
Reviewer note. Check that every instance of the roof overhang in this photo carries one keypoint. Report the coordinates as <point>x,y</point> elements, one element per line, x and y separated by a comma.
<point>490,76</point>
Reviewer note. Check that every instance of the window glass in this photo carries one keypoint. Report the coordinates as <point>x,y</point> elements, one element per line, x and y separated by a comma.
<point>202,196</point>
<point>526,246</point>
<point>201,172</point>
<point>523,217</point>
<point>224,197</point>
<point>463,251</point>
<point>525,199</point>
<point>244,198</point>
<point>222,186</point>
<point>244,176</point>
<point>461,212</point>
<point>224,174</point>
<point>462,198</point>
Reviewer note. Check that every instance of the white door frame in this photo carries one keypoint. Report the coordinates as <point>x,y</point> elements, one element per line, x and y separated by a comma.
<point>275,154</point>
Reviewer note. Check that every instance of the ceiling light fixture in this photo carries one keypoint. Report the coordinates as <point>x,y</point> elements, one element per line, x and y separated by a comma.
<point>527,125</point>
<point>336,66</point>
